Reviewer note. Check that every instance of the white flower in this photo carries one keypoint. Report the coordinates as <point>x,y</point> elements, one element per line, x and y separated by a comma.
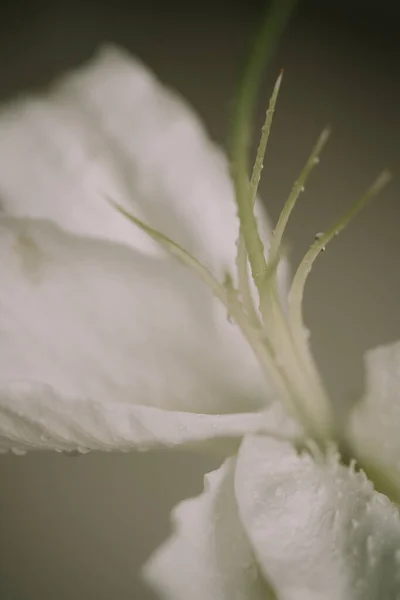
<point>108,344</point>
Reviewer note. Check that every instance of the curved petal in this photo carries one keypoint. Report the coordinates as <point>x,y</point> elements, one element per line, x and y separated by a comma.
<point>111,129</point>
<point>96,319</point>
<point>35,416</point>
<point>208,555</point>
<point>53,165</point>
<point>375,423</point>
<point>318,529</point>
<point>92,320</point>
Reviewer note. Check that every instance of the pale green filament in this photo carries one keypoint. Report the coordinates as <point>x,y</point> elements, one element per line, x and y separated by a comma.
<point>279,341</point>
<point>306,388</point>
<point>225,293</point>
<point>241,257</point>
<point>179,253</point>
<point>299,280</point>
<point>242,267</point>
<point>262,147</point>
<point>295,301</point>
<point>279,344</point>
<point>298,187</point>
<point>302,371</point>
<point>262,49</point>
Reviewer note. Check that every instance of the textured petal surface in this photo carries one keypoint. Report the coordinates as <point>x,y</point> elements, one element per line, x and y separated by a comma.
<point>37,417</point>
<point>208,555</point>
<point>375,425</point>
<point>318,529</point>
<point>111,129</point>
<point>94,321</point>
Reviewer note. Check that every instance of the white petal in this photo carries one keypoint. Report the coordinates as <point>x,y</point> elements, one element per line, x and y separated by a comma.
<point>53,165</point>
<point>375,423</point>
<point>35,416</point>
<point>208,555</point>
<point>111,129</point>
<point>318,529</point>
<point>94,321</point>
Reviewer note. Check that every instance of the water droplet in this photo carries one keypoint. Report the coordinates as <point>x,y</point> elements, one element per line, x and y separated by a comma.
<point>316,160</point>
<point>355,524</point>
<point>317,237</point>
<point>18,451</point>
<point>77,452</point>
<point>302,188</point>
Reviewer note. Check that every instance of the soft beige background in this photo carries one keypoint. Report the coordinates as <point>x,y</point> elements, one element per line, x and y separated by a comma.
<point>79,528</point>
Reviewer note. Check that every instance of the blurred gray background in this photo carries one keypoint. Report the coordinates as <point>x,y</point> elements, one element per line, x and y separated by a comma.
<point>79,528</point>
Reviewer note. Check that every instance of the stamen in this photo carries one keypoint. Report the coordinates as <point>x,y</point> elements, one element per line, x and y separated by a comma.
<point>316,401</point>
<point>312,401</point>
<point>271,27</point>
<point>271,309</point>
<point>253,244</point>
<point>265,131</point>
<point>280,342</point>
<point>179,253</point>
<point>275,329</point>
<point>242,267</point>
<point>225,293</point>
<point>265,353</point>
<point>298,187</point>
<point>308,398</point>
<point>241,256</point>
<point>299,280</point>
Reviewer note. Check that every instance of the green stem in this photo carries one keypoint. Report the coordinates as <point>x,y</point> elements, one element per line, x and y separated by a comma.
<point>265,43</point>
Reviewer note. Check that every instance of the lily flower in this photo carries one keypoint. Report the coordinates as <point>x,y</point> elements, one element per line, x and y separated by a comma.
<point>108,343</point>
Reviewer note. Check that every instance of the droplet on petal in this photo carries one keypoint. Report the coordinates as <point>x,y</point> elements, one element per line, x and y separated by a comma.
<point>18,451</point>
